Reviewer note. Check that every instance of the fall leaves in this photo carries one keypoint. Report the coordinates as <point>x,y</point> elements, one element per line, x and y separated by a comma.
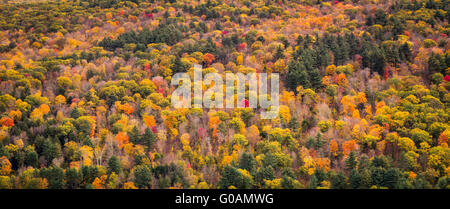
<point>125,108</point>
<point>214,124</point>
<point>38,113</point>
<point>5,166</point>
<point>353,94</point>
<point>7,122</point>
<point>149,120</point>
<point>122,139</point>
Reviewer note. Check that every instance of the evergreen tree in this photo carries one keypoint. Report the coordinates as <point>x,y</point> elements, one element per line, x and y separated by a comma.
<point>142,176</point>
<point>247,162</point>
<point>391,178</point>
<point>148,138</point>
<point>50,150</point>
<point>351,162</point>
<point>315,78</point>
<point>288,182</point>
<point>73,178</point>
<point>299,40</point>
<point>75,113</point>
<point>354,179</point>
<point>420,182</point>
<point>54,176</point>
<point>232,177</point>
<point>377,175</point>
<point>278,54</point>
<point>134,135</point>
<point>218,26</point>
<point>114,165</point>
<point>405,52</point>
<point>31,159</point>
<point>443,182</point>
<point>374,58</point>
<point>266,172</point>
<point>89,174</point>
<point>178,66</point>
<point>369,20</point>
<point>339,181</point>
<point>319,141</point>
<point>297,76</point>
<point>380,17</point>
<point>313,182</point>
<point>366,179</point>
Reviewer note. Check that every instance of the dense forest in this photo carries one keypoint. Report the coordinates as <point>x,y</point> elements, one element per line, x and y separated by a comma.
<point>85,94</point>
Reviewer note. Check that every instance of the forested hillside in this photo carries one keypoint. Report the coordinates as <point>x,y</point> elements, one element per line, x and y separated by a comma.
<point>85,94</point>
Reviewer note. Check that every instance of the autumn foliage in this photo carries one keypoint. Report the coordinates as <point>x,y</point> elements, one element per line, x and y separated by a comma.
<point>86,95</point>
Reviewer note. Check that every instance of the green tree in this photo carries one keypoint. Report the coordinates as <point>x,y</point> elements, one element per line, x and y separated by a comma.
<point>233,177</point>
<point>247,162</point>
<point>354,179</point>
<point>351,161</point>
<point>114,165</point>
<point>366,179</point>
<point>89,174</point>
<point>31,159</point>
<point>339,181</point>
<point>50,150</point>
<point>420,182</point>
<point>313,182</point>
<point>392,178</point>
<point>265,172</point>
<point>134,135</point>
<point>148,138</point>
<point>73,178</point>
<point>54,176</point>
<point>143,176</point>
<point>278,54</point>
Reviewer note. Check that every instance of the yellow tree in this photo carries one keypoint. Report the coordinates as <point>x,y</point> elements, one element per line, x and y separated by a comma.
<point>100,183</point>
<point>5,166</point>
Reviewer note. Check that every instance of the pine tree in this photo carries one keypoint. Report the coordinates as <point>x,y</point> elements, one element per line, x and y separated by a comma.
<point>134,136</point>
<point>114,165</point>
<point>148,138</point>
<point>142,176</point>
<point>319,140</point>
<point>232,177</point>
<point>73,178</point>
<point>354,179</point>
<point>278,54</point>
<point>210,47</point>
<point>351,161</point>
<point>54,176</point>
<point>405,52</point>
<point>31,159</point>
<point>391,178</point>
<point>266,172</point>
<point>315,78</point>
<point>178,65</point>
<point>380,17</point>
<point>366,179</point>
<point>338,181</point>
<point>75,113</point>
<point>313,182</point>
<point>297,75</point>
<point>49,150</point>
<point>420,182</point>
<point>247,162</point>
